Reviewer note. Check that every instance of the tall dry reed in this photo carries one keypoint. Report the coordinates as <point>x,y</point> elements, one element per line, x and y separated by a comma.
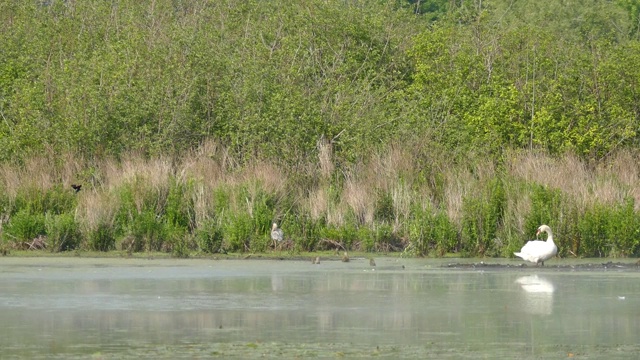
<point>465,180</point>
<point>610,182</point>
<point>359,196</point>
<point>402,189</point>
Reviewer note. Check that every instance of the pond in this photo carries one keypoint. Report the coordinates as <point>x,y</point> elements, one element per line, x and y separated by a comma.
<point>402,308</point>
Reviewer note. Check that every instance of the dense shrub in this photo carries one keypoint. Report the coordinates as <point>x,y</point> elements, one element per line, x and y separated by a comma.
<point>345,235</point>
<point>63,233</point>
<point>304,231</point>
<point>431,229</point>
<point>102,238</point>
<point>624,230</point>
<point>592,227</point>
<point>482,216</point>
<point>208,237</point>
<point>24,226</point>
<point>610,231</point>
<point>55,200</point>
<point>546,208</point>
<point>147,232</point>
<point>384,211</point>
<point>238,232</point>
<point>178,209</point>
<point>178,241</point>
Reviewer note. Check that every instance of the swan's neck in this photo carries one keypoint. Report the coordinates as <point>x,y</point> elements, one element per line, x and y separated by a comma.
<point>550,238</point>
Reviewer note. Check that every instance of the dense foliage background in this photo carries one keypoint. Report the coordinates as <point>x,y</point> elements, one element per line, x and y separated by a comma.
<point>333,96</point>
<point>271,78</point>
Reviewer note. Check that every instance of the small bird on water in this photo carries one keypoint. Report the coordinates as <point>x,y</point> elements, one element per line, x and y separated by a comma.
<point>276,234</point>
<point>345,257</point>
<point>316,261</point>
<point>372,262</point>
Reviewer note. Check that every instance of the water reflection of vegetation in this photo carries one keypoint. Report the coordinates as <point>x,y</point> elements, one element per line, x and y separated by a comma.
<point>252,307</point>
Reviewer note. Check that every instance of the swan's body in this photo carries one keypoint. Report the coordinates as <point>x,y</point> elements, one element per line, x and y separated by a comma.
<point>537,251</point>
<point>276,234</point>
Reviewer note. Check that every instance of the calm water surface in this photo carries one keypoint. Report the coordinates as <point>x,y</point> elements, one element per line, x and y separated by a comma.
<point>133,308</point>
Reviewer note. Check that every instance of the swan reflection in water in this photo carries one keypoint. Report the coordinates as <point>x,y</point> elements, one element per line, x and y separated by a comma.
<point>277,283</point>
<point>538,294</point>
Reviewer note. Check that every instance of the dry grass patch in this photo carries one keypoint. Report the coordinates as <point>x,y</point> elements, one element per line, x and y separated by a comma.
<point>317,203</point>
<point>96,208</point>
<point>360,198</point>
<point>608,183</point>
<point>463,181</point>
<point>325,158</point>
<point>209,164</point>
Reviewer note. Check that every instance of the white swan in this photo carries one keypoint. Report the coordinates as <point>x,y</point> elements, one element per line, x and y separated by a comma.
<point>276,234</point>
<point>537,251</point>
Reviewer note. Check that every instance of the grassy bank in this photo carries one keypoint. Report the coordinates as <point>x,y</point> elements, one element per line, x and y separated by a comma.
<point>399,199</point>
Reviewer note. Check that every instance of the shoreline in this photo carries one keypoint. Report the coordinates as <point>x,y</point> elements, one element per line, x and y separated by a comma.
<point>357,258</point>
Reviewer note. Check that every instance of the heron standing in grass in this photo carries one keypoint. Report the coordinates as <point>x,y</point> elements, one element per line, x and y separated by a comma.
<point>276,235</point>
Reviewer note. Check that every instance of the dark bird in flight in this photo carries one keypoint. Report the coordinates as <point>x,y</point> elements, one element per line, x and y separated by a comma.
<point>76,187</point>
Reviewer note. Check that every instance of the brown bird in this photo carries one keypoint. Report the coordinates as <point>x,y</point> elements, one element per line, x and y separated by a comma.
<point>316,261</point>
<point>372,262</point>
<point>345,257</point>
